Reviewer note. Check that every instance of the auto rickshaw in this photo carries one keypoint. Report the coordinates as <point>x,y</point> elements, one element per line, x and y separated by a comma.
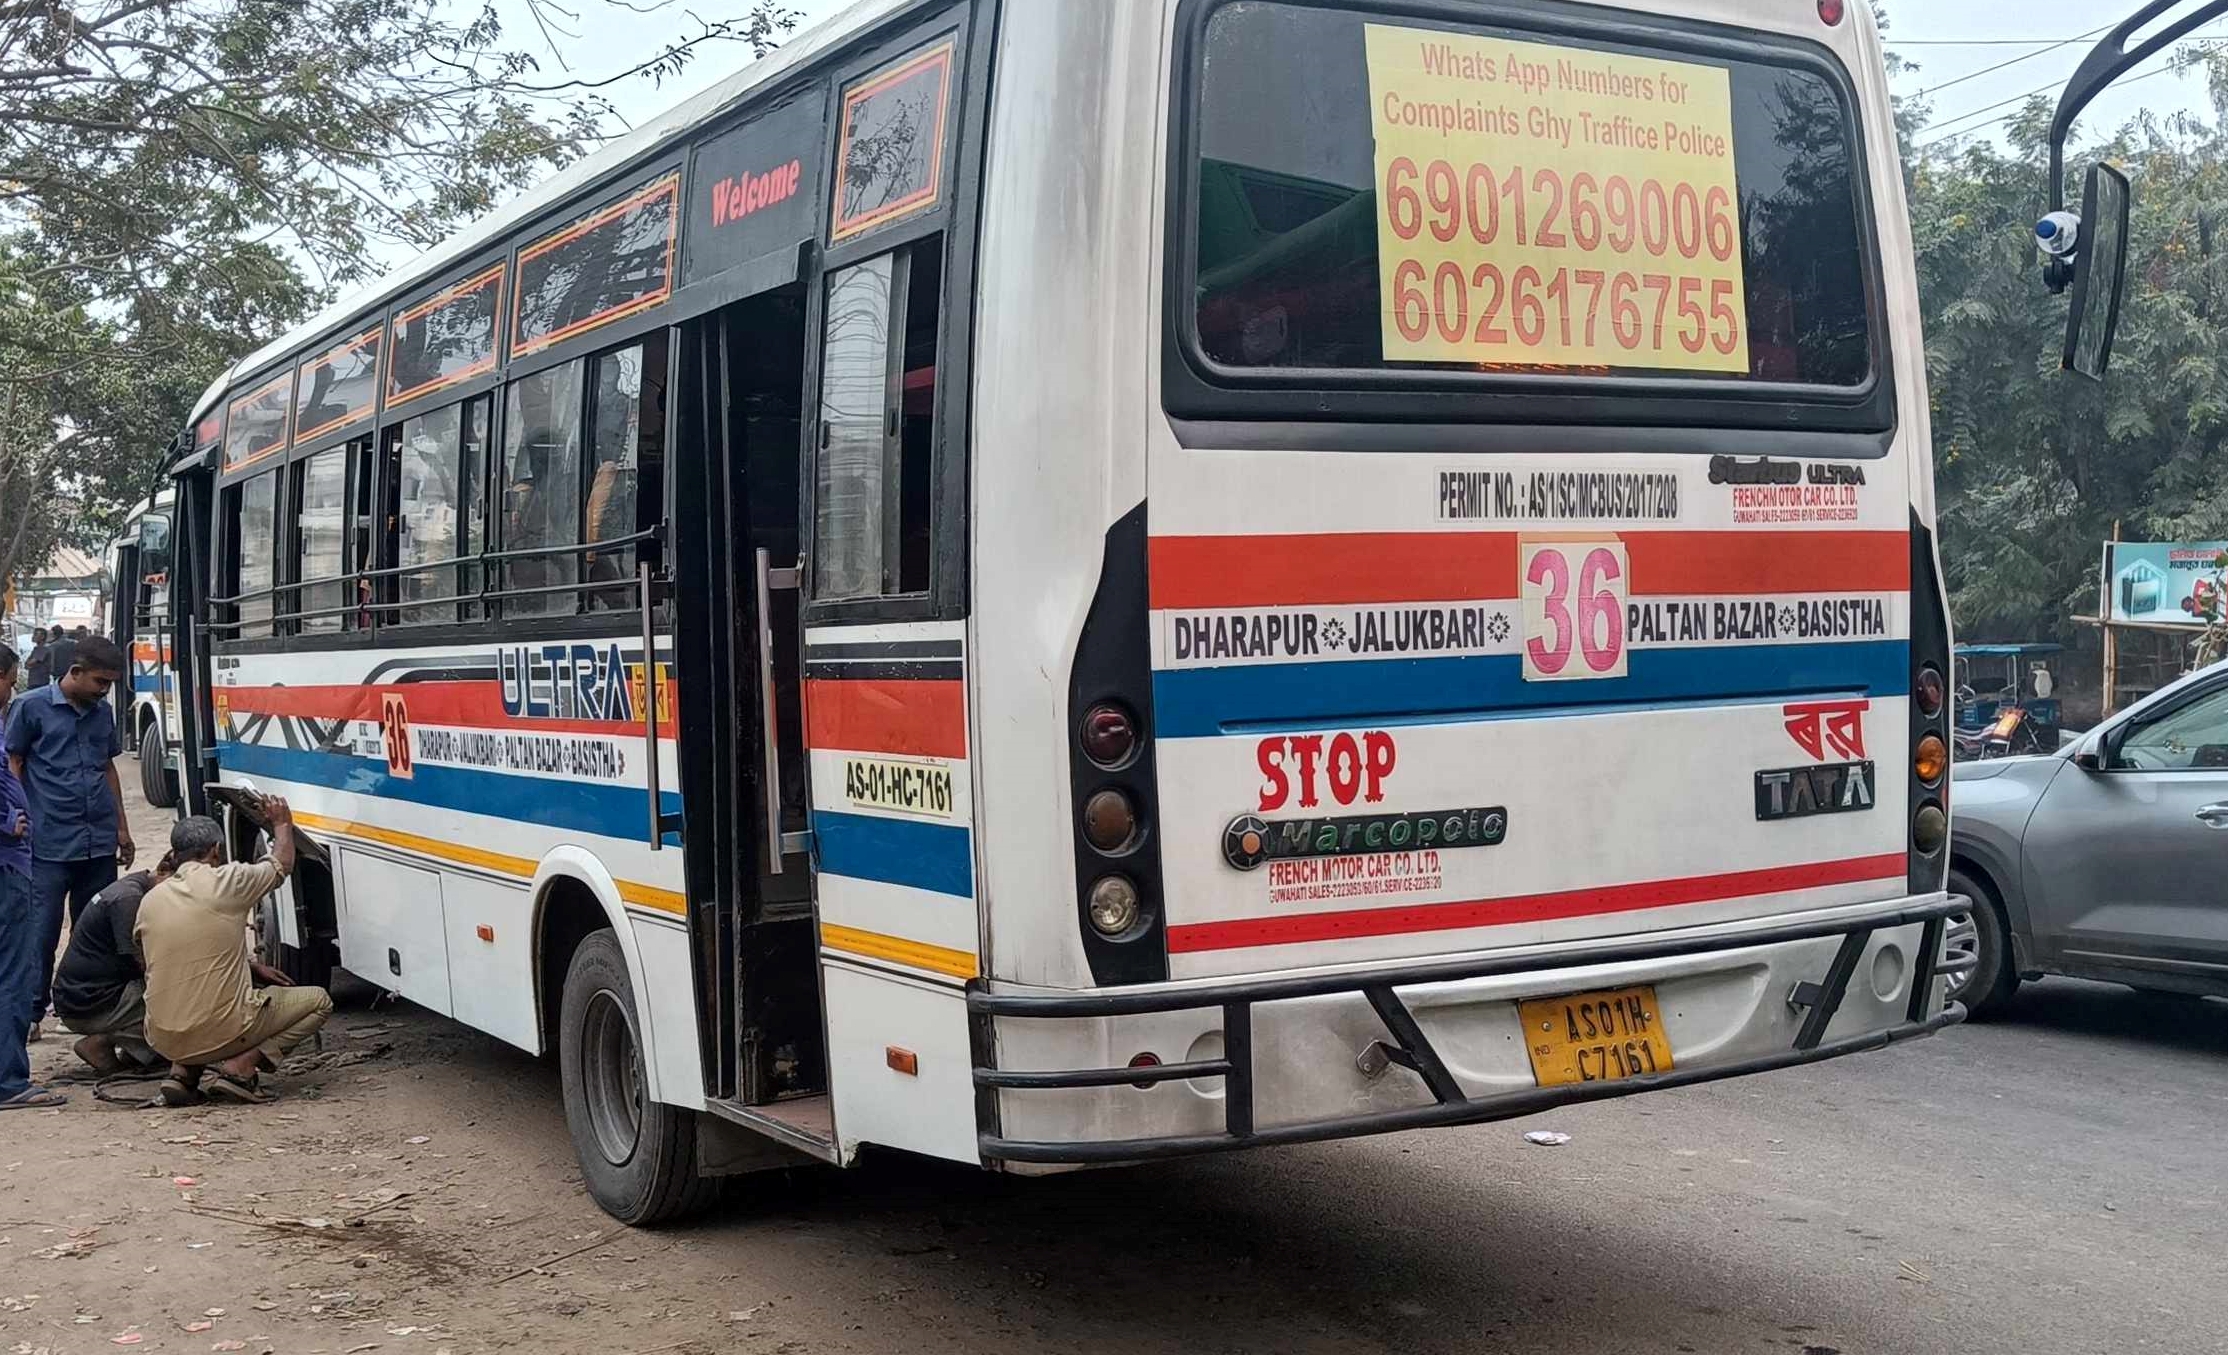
<point>2004,703</point>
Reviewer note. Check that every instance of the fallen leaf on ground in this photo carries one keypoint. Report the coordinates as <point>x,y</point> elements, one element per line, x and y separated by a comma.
<point>212,1312</point>
<point>419,1138</point>
<point>183,1181</point>
<point>202,1325</point>
<point>129,1338</point>
<point>228,1345</point>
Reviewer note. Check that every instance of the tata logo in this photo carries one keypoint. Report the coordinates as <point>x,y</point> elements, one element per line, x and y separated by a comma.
<point>1348,768</point>
<point>1250,840</point>
<point>1800,792</point>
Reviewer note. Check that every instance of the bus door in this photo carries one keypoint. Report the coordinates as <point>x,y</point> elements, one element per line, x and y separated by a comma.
<point>737,516</point>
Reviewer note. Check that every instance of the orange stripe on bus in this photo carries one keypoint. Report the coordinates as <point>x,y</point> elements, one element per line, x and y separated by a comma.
<point>1388,567</point>
<point>920,718</point>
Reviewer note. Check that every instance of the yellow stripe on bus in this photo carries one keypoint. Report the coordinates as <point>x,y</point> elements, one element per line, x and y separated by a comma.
<point>642,895</point>
<point>919,954</point>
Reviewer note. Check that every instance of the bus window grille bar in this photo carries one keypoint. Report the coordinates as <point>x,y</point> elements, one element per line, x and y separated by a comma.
<point>485,593</point>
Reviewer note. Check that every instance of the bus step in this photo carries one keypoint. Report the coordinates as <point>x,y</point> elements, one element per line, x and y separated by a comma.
<point>806,1123</point>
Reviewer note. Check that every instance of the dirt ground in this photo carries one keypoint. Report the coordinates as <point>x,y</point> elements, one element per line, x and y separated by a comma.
<point>2050,1183</point>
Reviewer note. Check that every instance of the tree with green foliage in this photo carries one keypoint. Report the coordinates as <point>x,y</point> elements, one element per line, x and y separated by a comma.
<point>180,180</point>
<point>2034,465</point>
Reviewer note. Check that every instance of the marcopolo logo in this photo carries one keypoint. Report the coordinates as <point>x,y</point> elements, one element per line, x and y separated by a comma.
<point>1251,840</point>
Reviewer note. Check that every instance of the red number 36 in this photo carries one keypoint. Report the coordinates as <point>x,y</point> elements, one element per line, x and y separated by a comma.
<point>1574,609</point>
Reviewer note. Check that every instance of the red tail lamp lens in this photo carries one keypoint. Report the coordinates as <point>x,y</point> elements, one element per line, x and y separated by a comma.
<point>1109,735</point>
<point>1831,11</point>
<point>1145,1060</point>
<point>1929,691</point>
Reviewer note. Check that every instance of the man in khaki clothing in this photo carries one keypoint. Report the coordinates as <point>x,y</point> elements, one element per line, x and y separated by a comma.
<point>203,1008</point>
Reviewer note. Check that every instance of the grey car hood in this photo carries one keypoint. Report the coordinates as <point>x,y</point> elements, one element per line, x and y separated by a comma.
<point>1996,766</point>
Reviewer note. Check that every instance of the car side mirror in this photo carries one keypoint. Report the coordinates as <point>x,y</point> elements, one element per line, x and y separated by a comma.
<point>2089,760</point>
<point>2099,272</point>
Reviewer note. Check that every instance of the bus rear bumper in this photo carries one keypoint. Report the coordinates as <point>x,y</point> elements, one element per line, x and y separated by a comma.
<point>1307,1057</point>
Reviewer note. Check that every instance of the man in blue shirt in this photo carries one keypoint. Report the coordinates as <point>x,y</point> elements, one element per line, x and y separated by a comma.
<point>61,742</point>
<point>21,930</point>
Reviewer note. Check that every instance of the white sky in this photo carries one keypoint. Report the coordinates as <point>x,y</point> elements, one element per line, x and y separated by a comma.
<point>1915,26</point>
<point>1949,41</point>
<point>1952,42</point>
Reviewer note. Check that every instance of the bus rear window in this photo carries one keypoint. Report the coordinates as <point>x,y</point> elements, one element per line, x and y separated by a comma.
<point>1379,193</point>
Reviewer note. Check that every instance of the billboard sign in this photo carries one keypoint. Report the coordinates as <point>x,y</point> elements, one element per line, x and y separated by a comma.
<point>2161,584</point>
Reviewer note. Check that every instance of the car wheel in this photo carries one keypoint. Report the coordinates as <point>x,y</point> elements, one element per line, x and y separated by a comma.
<point>1976,950</point>
<point>637,1155</point>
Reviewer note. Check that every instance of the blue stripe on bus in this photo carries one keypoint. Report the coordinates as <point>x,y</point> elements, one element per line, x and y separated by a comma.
<point>1205,702</point>
<point>932,856</point>
<point>146,684</point>
<point>574,806</point>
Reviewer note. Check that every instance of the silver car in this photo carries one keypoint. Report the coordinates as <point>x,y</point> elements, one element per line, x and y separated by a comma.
<point>2105,860</point>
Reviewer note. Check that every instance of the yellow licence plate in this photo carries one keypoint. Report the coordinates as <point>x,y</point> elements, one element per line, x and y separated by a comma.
<point>1595,1037</point>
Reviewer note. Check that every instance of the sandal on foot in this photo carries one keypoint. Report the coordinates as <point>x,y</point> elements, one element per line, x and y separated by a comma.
<point>225,1087</point>
<point>182,1088</point>
<point>34,1098</point>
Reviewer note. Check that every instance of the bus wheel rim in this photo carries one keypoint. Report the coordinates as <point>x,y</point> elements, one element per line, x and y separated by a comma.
<point>611,1077</point>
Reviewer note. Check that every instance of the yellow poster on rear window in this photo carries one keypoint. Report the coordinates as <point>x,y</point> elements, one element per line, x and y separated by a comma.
<point>1546,206</point>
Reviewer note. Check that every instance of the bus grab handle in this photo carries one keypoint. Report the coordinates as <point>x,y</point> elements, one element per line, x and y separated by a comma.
<point>770,741</point>
<point>650,708</point>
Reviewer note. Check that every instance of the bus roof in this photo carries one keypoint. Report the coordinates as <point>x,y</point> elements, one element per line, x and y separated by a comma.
<point>801,50</point>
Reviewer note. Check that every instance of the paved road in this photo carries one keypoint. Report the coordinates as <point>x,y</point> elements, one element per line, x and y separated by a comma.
<point>2052,1182</point>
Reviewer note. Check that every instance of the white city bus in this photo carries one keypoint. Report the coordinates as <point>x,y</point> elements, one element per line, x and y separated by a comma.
<point>1062,582</point>
<point>138,561</point>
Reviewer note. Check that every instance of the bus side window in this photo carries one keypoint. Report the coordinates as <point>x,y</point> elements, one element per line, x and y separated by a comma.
<point>626,459</point>
<point>540,491</point>
<point>434,466</point>
<point>871,530</point>
<point>252,544</point>
<point>321,501</point>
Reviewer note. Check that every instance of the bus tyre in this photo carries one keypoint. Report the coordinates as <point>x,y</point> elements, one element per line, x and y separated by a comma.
<point>637,1155</point>
<point>1986,981</point>
<point>155,779</point>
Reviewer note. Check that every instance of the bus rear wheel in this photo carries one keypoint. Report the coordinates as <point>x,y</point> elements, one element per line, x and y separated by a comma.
<point>155,779</point>
<point>637,1155</point>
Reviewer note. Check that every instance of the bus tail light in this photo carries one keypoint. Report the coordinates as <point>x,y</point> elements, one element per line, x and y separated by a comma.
<point>1114,906</point>
<point>1109,821</point>
<point>1931,760</point>
<point>1112,773</point>
<point>1109,736</point>
<point>1832,12</point>
<point>1927,861</point>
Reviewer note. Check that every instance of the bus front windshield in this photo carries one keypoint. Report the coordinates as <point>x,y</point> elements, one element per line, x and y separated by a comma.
<point>1383,193</point>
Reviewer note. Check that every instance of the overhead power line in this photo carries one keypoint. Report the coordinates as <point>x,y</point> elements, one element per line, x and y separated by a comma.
<point>1978,42</point>
<point>1992,122</point>
<point>2005,65</point>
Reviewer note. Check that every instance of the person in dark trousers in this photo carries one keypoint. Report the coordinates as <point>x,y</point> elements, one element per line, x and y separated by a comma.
<point>36,669</point>
<point>100,988</point>
<point>62,742</point>
<point>61,647</point>
<point>21,930</point>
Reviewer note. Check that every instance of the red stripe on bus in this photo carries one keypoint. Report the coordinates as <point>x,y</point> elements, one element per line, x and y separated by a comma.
<point>1358,568</point>
<point>468,705</point>
<point>916,718</point>
<point>1447,917</point>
